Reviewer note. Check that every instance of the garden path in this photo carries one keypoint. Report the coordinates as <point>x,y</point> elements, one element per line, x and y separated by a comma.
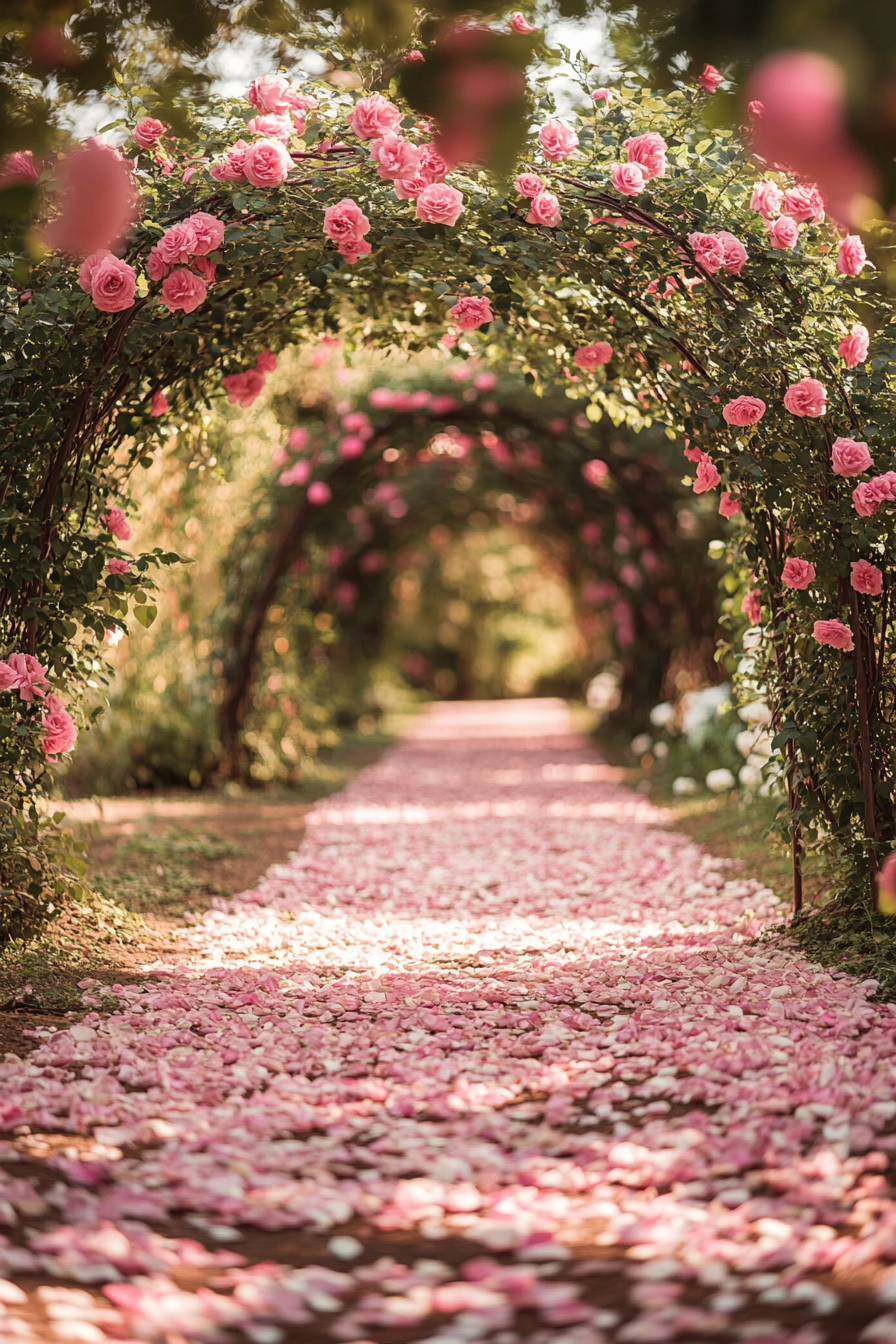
<point>492,1057</point>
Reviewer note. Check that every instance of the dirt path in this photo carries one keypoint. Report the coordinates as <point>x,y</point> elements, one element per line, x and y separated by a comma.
<point>492,1058</point>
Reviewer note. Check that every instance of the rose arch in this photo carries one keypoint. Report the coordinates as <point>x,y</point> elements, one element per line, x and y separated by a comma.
<point>637,264</point>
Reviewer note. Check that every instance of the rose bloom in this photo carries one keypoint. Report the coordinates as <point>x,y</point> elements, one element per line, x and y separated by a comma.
<point>853,349</point>
<point>804,203</point>
<point>394,156</point>
<point>595,471</point>
<point>557,141</point>
<point>276,127</point>
<point>628,179</point>
<point>60,733</point>
<point>147,131</point>
<point>183,291</point>
<point>755,108</point>
<point>767,199</point>
<point>243,388</point>
<point>752,606</point>
<point>529,184</point>
<point>807,397</point>
<point>833,633</point>
<point>867,498</point>
<point>431,164</point>
<point>177,244</point>
<point>319,493</point>
<point>409,188</point>
<point>710,79</point>
<point>708,250</point>
<point>849,457</point>
<point>202,266</point>
<point>98,200</point>
<point>230,169</point>
<point>208,233</point>
<point>110,282</point>
<point>648,150</point>
<point>345,222</point>
<point>351,445</point>
<point>373,117</point>
<point>272,94</point>
<point>350,251</point>
<point>866,578</point>
<point>544,209</point>
<point>266,362</point>
<point>266,163</point>
<point>783,233</point>
<point>728,506</point>
<point>590,357</point>
<point>297,474</point>
<point>18,169</point>
<point>734,254</point>
<point>30,676</point>
<point>115,522</point>
<point>158,406</point>
<point>471,311</point>
<point>743,411</point>
<point>797,573</point>
<point>707,475</point>
<point>601,96</point>
<point>440,204</point>
<point>852,256</point>
<point>116,566</point>
<point>520,24</point>
<point>414,57</point>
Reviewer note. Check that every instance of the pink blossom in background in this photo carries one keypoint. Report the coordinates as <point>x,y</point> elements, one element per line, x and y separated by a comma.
<point>279,457</point>
<point>595,471</point>
<point>266,163</point>
<point>266,362</point>
<point>97,200</point>
<point>148,131</point>
<point>60,733</point>
<point>866,578</point>
<point>751,606</point>
<point>797,573</point>
<point>319,493</point>
<point>414,57</point>
<point>438,203</point>
<point>734,254</point>
<point>351,251</point>
<point>520,24</point>
<point>159,404</point>
<point>850,457</point>
<point>804,203</point>
<point>707,477</point>
<point>243,388</point>
<point>110,282</point>
<point>529,184</point>
<point>544,209</point>
<point>31,676</point>
<point>116,566</point>
<point>298,438</point>
<point>783,233</point>
<point>591,356</point>
<point>114,521</point>
<point>471,311</point>
<point>756,108</point>
<point>743,411</point>
<point>232,167</point>
<point>373,117</point>
<point>394,156</point>
<point>649,152</point>
<point>355,422</point>
<point>833,633</point>
<point>272,126</point>
<point>851,257</point>
<point>728,505</point>
<point>808,397</point>
<point>557,141</point>
<point>177,244</point>
<point>709,251</point>
<point>601,96</point>
<point>485,381</point>
<point>853,349</point>
<point>18,169</point>
<point>709,79</point>
<point>628,178</point>
<point>183,291</point>
<point>297,474</point>
<point>270,94</point>
<point>350,445</point>
<point>767,198</point>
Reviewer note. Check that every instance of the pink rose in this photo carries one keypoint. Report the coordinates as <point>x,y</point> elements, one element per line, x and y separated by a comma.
<point>319,493</point>
<point>866,498</point>
<point>156,267</point>
<point>752,606</point>
<point>97,202</point>
<point>158,406</point>
<point>351,445</point>
<point>202,266</point>
<point>767,199</point>
<point>373,116</point>
<point>297,474</point>
<point>409,188</point>
<point>601,96</point>
<point>852,256</point>
<point>648,150</point>
<point>177,244</point>
<point>345,222</point>
<point>114,521</point>
<point>849,457</point>
<point>394,156</point>
<point>557,141</point>
<point>783,233</point>
<point>710,79</point>
<point>60,733</point>
<point>9,680</point>
<point>18,169</point>
<point>529,184</point>
<point>355,422</point>
<point>431,164</point>
<point>804,203</point>
<point>272,94</point>
<point>183,290</point>
<point>266,362</point>
<point>755,108</point>
<point>628,178</point>
<point>590,357</point>
<point>116,566</point>
<point>414,57</point>
<point>520,24</point>
<point>743,411</point>
<point>728,506</point>
<point>298,122</point>
<point>266,163</point>
<point>110,282</point>
<point>31,676</point>
<point>734,254</point>
<point>866,578</point>
<point>147,131</point>
<point>709,251</point>
<point>231,168</point>
<point>853,349</point>
<point>797,573</point>
<point>471,311</point>
<point>273,126</point>
<point>440,204</point>
<point>544,209</point>
<point>350,252</point>
<point>595,472</point>
<point>243,388</point>
<point>707,475</point>
<point>834,633</point>
<point>807,397</point>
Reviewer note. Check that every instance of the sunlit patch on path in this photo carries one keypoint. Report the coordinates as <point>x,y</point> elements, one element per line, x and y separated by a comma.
<point>492,1057</point>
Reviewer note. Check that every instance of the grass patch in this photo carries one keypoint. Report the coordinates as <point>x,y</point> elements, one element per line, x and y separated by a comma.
<point>164,871</point>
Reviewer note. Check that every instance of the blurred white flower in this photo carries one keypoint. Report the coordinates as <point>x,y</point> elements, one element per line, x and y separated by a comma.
<point>752,637</point>
<point>700,707</point>
<point>744,741</point>
<point>661,749</point>
<point>718,781</point>
<point>662,715</point>
<point>643,742</point>
<point>756,712</point>
<point>603,695</point>
<point>684,785</point>
<point>750,776</point>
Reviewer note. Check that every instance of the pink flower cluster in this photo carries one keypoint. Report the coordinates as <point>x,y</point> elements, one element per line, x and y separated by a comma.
<point>471,311</point>
<point>345,224</point>
<point>23,673</point>
<point>707,477</point>
<point>869,495</point>
<point>591,356</point>
<point>180,260</point>
<point>648,151</point>
<point>114,521</point>
<point>264,163</point>
<point>244,388</point>
<point>720,251</point>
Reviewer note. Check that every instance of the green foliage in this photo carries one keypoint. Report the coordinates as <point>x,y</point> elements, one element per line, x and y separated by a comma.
<point>41,869</point>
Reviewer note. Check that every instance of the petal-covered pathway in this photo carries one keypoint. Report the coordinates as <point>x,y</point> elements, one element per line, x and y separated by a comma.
<point>492,1058</point>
